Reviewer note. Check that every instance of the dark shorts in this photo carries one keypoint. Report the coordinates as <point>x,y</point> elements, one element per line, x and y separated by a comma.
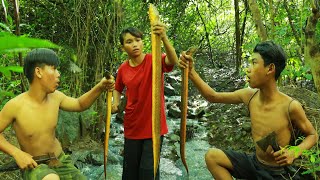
<point>247,166</point>
<point>66,171</point>
<point>138,159</point>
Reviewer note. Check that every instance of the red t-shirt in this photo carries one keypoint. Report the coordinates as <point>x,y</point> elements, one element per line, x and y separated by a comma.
<point>138,111</point>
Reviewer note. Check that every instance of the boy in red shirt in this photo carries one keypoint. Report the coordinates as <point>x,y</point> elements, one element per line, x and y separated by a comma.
<point>135,74</point>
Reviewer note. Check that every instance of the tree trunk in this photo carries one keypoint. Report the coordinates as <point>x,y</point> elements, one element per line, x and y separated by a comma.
<point>294,31</point>
<point>312,49</point>
<point>244,21</point>
<point>238,35</point>
<point>17,22</point>
<point>5,12</point>
<point>207,37</point>
<point>261,30</point>
<point>272,16</point>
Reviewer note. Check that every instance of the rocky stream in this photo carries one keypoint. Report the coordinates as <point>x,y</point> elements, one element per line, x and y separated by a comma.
<point>209,125</point>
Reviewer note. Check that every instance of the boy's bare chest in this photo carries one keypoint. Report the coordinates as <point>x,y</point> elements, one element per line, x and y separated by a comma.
<point>35,119</point>
<point>266,119</point>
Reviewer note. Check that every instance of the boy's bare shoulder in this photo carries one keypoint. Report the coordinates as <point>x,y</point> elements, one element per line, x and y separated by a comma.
<point>18,100</point>
<point>250,91</point>
<point>247,93</point>
<point>57,94</point>
<point>14,104</point>
<point>287,99</point>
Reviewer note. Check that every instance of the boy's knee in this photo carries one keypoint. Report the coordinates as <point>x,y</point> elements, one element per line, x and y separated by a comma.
<point>212,155</point>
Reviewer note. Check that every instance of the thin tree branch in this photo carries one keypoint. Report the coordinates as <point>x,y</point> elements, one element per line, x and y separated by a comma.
<point>207,37</point>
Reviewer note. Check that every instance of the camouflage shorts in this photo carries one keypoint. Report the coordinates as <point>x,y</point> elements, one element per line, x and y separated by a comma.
<point>67,171</point>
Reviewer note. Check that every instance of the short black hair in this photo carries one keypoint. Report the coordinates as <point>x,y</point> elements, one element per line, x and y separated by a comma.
<point>38,58</point>
<point>133,31</point>
<point>272,53</point>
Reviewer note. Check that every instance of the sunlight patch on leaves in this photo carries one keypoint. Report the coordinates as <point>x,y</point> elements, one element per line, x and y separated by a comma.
<point>11,43</point>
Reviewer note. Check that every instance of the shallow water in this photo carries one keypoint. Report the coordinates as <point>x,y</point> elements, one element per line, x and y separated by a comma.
<point>169,169</point>
<point>195,151</point>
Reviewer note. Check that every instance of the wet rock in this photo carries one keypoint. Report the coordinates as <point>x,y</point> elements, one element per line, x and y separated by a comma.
<point>119,118</point>
<point>195,113</point>
<point>174,111</point>
<point>174,79</point>
<point>246,126</point>
<point>191,129</point>
<point>68,129</point>
<point>96,157</point>
<point>169,90</point>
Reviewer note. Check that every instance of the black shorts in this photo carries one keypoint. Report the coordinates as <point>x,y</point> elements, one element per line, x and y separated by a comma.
<point>247,166</point>
<point>138,159</point>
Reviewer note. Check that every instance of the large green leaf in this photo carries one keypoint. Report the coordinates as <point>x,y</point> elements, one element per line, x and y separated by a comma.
<point>4,27</point>
<point>17,69</point>
<point>9,43</point>
<point>6,71</point>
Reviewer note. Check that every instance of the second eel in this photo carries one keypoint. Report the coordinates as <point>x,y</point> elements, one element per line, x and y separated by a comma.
<point>184,110</point>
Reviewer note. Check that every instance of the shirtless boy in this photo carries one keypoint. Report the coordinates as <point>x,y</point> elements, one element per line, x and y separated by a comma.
<point>34,116</point>
<point>270,111</point>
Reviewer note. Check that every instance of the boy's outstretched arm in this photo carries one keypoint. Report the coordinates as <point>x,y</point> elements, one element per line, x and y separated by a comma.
<point>86,100</point>
<point>238,96</point>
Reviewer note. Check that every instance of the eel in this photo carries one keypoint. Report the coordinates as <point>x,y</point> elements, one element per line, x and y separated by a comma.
<point>107,127</point>
<point>184,110</point>
<point>156,89</point>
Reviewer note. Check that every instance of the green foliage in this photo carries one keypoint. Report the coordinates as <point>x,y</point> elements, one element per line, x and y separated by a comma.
<point>6,71</point>
<point>312,161</point>
<point>208,25</point>
<point>309,160</point>
<point>4,95</point>
<point>11,43</point>
<point>4,27</point>
<point>296,71</point>
<point>7,83</point>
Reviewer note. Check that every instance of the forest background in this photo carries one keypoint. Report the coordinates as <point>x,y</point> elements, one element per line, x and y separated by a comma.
<point>85,33</point>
